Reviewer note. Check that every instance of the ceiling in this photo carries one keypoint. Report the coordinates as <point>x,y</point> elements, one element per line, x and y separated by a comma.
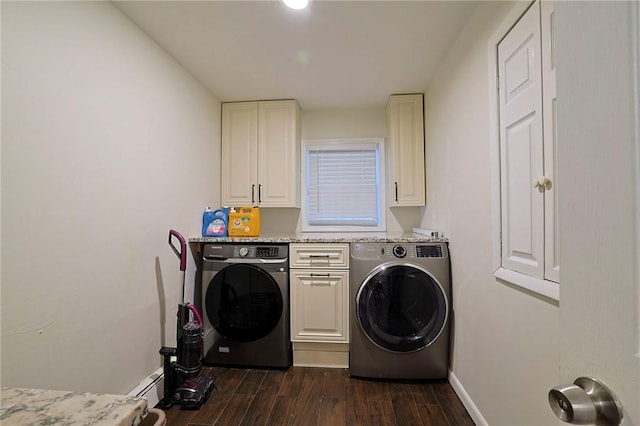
<point>334,54</point>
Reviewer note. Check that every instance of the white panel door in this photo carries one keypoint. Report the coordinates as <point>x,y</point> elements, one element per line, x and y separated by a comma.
<point>521,146</point>
<point>239,154</point>
<point>549,118</point>
<point>598,66</point>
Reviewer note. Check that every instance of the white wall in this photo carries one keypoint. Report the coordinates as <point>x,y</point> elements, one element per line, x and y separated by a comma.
<point>505,343</point>
<point>107,143</point>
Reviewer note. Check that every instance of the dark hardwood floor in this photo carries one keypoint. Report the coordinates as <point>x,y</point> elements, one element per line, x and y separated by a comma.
<point>321,396</point>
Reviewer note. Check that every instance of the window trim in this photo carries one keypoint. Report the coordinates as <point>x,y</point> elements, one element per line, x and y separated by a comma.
<point>343,143</point>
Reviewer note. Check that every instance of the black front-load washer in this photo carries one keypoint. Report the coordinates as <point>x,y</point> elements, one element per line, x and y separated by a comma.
<point>245,298</point>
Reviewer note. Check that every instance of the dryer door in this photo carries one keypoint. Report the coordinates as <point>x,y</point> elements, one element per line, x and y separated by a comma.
<point>401,307</point>
<point>243,302</point>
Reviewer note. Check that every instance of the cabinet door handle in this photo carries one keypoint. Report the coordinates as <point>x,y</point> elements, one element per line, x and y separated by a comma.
<point>321,258</point>
<point>326,281</point>
<point>396,190</point>
<point>259,193</point>
<point>542,183</point>
<point>253,198</point>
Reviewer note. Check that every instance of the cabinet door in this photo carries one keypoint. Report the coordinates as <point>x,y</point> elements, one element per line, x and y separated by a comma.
<point>319,305</point>
<point>239,154</point>
<point>279,154</point>
<point>551,243</point>
<point>521,149</point>
<point>405,121</point>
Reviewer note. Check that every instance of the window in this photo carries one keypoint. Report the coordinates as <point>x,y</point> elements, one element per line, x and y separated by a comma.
<point>341,183</point>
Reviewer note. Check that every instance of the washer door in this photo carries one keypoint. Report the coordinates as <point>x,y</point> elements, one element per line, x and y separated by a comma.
<point>243,302</point>
<point>401,307</point>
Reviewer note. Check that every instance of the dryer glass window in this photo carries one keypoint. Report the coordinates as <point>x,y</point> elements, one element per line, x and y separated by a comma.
<point>244,303</point>
<point>401,308</point>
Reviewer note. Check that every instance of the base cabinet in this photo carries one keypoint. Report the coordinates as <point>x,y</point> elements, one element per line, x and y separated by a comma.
<point>319,288</point>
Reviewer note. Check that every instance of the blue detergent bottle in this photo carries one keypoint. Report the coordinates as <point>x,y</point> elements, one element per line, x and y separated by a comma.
<point>214,223</point>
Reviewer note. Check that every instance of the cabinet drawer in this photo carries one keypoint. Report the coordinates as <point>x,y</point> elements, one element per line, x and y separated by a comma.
<point>319,255</point>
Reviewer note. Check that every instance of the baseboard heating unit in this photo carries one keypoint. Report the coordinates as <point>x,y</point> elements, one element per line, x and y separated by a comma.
<point>152,388</point>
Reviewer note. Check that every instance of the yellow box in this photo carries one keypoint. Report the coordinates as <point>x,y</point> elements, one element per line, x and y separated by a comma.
<point>244,222</point>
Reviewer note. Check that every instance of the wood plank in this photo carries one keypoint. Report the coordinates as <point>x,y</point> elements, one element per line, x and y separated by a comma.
<point>400,390</point>
<point>405,411</point>
<point>235,410</point>
<point>336,383</point>
<point>451,405</point>
<point>404,407</point>
<point>227,382</point>
<point>263,401</point>
<point>282,411</point>
<point>381,413</point>
<point>178,417</point>
<point>308,405</point>
<point>251,382</point>
<point>292,382</point>
<point>333,411</point>
<point>432,415</point>
<point>370,389</point>
<point>423,393</point>
<point>357,410</point>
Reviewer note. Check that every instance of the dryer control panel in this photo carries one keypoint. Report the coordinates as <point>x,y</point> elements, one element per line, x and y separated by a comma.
<point>397,251</point>
<point>429,251</point>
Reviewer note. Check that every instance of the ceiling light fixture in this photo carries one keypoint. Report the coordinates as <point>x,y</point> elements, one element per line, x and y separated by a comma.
<point>296,4</point>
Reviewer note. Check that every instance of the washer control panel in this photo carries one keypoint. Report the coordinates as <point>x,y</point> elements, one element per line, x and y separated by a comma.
<point>245,251</point>
<point>257,252</point>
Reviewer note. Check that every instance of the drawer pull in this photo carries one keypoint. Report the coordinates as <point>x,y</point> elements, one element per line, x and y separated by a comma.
<point>321,256</point>
<point>320,275</point>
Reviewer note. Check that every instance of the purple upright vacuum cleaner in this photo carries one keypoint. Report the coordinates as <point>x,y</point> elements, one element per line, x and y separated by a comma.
<point>182,383</point>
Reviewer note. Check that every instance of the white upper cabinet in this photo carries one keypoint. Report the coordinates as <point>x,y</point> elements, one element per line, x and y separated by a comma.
<point>405,122</point>
<point>261,154</point>
<point>239,153</point>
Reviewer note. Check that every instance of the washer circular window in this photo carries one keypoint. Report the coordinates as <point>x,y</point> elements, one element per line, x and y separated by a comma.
<point>401,307</point>
<point>243,303</point>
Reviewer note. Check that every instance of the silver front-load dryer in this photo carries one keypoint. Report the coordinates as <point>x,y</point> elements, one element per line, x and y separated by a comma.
<point>400,310</point>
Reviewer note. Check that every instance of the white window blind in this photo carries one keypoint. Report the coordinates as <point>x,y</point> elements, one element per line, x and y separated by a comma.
<point>343,184</point>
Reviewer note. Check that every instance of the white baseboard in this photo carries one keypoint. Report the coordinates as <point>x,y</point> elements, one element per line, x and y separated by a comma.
<point>152,388</point>
<point>466,400</point>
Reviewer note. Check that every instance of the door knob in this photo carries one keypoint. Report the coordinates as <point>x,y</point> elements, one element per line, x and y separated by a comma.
<point>586,401</point>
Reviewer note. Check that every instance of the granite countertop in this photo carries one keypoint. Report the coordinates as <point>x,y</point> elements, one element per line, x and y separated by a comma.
<point>324,238</point>
<point>20,406</point>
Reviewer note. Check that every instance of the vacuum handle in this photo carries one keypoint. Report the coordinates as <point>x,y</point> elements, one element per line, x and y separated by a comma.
<point>182,253</point>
